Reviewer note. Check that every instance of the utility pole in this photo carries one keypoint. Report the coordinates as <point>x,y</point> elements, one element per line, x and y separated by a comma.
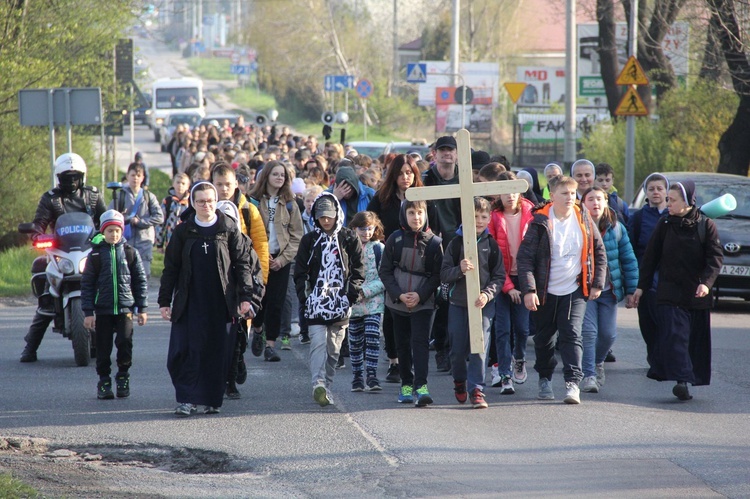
<point>630,120</point>
<point>455,40</point>
<point>395,47</point>
<point>569,151</point>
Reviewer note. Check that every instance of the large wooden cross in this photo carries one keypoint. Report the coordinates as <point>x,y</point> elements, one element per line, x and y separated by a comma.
<point>466,190</point>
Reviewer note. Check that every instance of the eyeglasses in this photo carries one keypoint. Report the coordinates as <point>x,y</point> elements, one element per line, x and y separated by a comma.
<point>204,202</point>
<point>369,228</point>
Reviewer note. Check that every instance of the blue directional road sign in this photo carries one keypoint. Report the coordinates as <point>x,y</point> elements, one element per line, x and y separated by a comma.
<point>364,88</point>
<point>338,83</point>
<point>416,72</point>
<point>240,69</point>
<point>253,66</point>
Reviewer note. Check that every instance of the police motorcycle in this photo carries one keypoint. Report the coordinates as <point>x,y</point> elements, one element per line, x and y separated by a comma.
<point>66,251</point>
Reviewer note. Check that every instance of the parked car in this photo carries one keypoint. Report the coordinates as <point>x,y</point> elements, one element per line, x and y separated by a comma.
<point>368,148</point>
<point>734,228</point>
<point>420,147</point>
<point>170,124</point>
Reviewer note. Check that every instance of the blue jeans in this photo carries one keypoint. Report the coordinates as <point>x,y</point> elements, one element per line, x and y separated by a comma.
<point>458,332</point>
<point>509,314</point>
<point>599,330</point>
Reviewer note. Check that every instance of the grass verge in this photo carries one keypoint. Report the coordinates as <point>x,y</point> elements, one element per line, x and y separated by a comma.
<point>15,271</point>
<point>11,488</point>
<point>211,68</point>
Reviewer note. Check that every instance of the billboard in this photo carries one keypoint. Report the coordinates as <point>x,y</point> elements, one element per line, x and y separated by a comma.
<point>544,85</point>
<point>478,117</point>
<point>542,128</point>
<point>475,75</point>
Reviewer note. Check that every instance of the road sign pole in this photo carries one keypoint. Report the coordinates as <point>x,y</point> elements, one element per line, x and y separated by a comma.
<point>68,126</point>
<point>630,128</point>
<point>364,117</point>
<point>51,114</point>
<point>132,126</point>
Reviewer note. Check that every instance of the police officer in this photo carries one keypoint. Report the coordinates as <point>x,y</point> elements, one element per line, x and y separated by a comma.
<point>70,196</point>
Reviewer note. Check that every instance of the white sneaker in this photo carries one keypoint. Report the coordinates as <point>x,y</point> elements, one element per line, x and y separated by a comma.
<point>545,390</point>
<point>572,393</point>
<point>600,376</point>
<point>497,380</point>
<point>519,371</point>
<point>507,386</point>
<point>590,385</point>
<point>295,329</point>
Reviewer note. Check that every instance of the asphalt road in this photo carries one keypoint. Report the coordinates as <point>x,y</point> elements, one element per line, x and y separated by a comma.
<point>633,439</point>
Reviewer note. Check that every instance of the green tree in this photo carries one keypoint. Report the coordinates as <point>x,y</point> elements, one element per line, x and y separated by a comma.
<point>45,44</point>
<point>684,138</point>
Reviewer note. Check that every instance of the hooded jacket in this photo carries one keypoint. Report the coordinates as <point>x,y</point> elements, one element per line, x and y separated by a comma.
<point>490,279</point>
<point>256,232</point>
<point>361,197</point>
<point>116,283</point>
<point>408,272</point>
<point>326,303</point>
<point>149,214</point>
<point>535,254</point>
<point>621,262</point>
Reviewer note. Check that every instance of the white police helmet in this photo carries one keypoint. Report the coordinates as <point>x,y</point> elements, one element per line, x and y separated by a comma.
<point>70,162</point>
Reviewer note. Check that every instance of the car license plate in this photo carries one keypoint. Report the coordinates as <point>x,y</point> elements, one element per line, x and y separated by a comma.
<point>736,270</point>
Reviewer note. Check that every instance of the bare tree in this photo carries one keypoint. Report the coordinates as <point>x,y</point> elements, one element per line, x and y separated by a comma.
<point>733,145</point>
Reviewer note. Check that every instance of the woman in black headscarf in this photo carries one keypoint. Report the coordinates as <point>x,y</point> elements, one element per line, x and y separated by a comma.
<point>685,249</point>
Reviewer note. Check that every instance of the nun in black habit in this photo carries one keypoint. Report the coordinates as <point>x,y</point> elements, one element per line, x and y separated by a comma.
<point>206,283</point>
<point>685,249</point>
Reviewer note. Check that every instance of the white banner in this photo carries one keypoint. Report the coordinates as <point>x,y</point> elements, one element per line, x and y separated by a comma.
<point>551,127</point>
<point>475,74</point>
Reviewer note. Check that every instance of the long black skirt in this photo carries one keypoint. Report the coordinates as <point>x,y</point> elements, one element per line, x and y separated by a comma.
<point>682,346</point>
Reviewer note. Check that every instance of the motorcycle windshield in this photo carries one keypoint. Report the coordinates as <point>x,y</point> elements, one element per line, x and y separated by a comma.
<point>73,230</point>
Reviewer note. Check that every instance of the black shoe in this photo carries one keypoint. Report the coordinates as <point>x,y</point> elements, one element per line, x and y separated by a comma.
<point>393,375</point>
<point>681,391</point>
<point>340,364</point>
<point>610,357</point>
<point>304,339</point>
<point>241,371</point>
<point>443,361</point>
<point>344,350</point>
<point>28,354</point>
<point>123,384</point>
<point>104,389</point>
<point>270,355</point>
<point>232,391</point>
<point>256,345</point>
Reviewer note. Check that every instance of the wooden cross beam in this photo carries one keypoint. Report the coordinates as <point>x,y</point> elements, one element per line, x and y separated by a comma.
<point>466,190</point>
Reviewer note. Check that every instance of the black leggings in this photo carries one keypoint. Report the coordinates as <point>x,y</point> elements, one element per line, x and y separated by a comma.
<point>273,302</point>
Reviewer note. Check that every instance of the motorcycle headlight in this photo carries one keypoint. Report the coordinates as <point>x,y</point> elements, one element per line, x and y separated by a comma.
<point>82,265</point>
<point>65,266</point>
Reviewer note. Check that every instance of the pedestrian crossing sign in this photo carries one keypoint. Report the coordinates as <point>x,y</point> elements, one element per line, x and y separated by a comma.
<point>631,104</point>
<point>632,73</point>
<point>416,72</point>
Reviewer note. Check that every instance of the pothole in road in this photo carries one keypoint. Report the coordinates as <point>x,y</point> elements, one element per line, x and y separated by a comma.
<point>172,459</point>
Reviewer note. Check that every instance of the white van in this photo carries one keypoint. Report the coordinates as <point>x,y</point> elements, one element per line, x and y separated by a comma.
<point>175,94</point>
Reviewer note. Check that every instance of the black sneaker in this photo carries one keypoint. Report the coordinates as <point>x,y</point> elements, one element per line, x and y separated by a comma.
<point>358,385</point>
<point>270,355</point>
<point>443,361</point>
<point>241,371</point>
<point>340,364</point>
<point>610,357</point>
<point>373,385</point>
<point>104,389</point>
<point>232,392</point>
<point>304,339</point>
<point>257,343</point>
<point>393,375</point>
<point>123,385</point>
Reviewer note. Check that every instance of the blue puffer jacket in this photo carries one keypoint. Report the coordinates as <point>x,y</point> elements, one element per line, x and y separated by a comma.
<point>621,261</point>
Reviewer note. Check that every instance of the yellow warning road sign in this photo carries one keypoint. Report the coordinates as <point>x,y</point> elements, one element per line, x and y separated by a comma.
<point>515,90</point>
<point>632,73</point>
<point>631,104</point>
